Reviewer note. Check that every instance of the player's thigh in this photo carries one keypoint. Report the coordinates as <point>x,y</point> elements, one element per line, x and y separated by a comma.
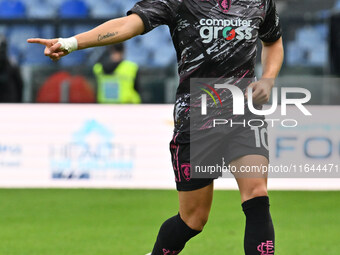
<point>194,206</point>
<point>250,182</point>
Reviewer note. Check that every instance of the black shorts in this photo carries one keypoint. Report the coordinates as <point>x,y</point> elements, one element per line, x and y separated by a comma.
<point>240,141</point>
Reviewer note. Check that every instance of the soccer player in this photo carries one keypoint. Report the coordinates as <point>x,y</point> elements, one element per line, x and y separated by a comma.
<point>213,38</point>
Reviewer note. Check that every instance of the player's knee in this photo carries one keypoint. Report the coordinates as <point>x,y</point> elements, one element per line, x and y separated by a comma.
<point>202,219</point>
<point>255,191</point>
<point>196,219</point>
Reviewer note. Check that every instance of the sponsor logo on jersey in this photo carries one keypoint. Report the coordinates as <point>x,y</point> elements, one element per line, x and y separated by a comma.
<point>224,5</point>
<point>228,29</point>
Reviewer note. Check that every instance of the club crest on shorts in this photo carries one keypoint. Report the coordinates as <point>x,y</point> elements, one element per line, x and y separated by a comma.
<point>186,169</point>
<point>224,5</point>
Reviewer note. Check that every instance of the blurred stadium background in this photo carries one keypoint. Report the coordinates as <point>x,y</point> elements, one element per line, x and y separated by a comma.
<point>91,145</point>
<point>311,34</point>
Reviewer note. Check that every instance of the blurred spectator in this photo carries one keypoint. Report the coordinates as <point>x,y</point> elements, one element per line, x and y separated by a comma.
<point>11,84</point>
<point>117,79</point>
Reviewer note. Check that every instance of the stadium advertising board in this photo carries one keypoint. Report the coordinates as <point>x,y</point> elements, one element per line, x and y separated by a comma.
<point>128,147</point>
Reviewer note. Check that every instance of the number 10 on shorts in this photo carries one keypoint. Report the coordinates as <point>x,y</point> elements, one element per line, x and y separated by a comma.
<point>261,135</point>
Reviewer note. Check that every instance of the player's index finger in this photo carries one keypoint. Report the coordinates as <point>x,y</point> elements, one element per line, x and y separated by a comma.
<point>37,40</point>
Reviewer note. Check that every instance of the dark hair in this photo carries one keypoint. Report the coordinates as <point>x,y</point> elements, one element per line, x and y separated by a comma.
<point>119,47</point>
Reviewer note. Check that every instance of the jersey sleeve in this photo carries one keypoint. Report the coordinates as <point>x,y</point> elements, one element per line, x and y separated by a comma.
<point>270,30</point>
<point>155,12</point>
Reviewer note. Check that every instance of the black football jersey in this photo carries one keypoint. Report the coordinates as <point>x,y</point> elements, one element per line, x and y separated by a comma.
<point>212,38</point>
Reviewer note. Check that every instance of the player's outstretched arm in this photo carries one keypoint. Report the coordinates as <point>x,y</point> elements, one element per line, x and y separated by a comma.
<point>110,32</point>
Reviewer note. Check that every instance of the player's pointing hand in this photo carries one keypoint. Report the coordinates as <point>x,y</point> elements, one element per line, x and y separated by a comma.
<point>52,48</point>
<point>56,48</point>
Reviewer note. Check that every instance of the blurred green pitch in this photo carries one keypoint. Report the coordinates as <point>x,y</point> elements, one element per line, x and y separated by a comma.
<point>109,222</point>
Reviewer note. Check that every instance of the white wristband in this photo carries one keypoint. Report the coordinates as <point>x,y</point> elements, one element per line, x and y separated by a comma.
<point>68,44</point>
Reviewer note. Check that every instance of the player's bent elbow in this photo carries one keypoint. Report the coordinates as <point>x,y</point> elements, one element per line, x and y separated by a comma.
<point>132,26</point>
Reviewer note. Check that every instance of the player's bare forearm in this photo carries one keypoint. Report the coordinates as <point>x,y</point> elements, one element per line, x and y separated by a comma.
<point>272,59</point>
<point>110,32</point>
